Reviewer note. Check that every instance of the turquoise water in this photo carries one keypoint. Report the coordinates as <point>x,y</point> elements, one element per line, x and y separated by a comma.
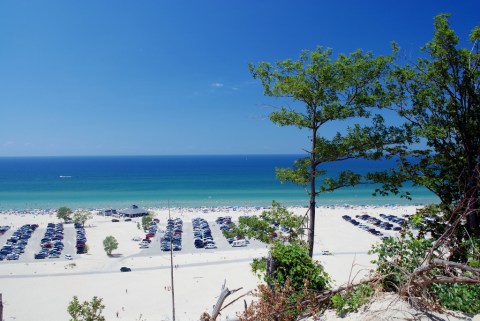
<point>160,181</point>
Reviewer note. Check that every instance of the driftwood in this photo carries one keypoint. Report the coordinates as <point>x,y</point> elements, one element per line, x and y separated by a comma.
<point>225,292</point>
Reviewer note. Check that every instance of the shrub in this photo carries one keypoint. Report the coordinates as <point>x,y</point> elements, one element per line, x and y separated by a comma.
<point>86,311</point>
<point>459,296</point>
<point>291,262</point>
<point>397,258</point>
<point>351,301</point>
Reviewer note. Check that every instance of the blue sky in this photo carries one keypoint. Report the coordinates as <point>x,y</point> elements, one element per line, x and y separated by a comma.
<point>171,77</point>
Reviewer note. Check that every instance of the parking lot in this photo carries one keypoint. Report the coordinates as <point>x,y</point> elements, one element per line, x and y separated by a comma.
<point>69,242</point>
<point>188,241</point>
<point>34,244</point>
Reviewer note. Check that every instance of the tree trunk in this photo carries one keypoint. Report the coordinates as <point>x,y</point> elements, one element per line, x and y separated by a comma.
<point>473,203</point>
<point>473,213</point>
<point>1,307</point>
<point>313,193</point>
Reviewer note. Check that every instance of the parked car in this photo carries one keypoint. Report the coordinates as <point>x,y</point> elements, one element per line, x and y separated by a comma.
<point>55,255</point>
<point>39,256</point>
<point>125,269</point>
<point>68,257</point>
<point>239,243</point>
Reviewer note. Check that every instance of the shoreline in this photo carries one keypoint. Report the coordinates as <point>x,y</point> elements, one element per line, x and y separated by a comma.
<point>206,208</point>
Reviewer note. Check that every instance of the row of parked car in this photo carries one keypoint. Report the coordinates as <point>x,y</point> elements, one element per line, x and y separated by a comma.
<point>173,235</point>
<point>16,244</point>
<point>202,234</point>
<point>81,239</point>
<point>371,221</point>
<point>393,218</point>
<point>379,223</point>
<point>52,242</point>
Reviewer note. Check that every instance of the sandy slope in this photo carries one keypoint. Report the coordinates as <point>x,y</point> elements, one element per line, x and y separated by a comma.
<point>42,290</point>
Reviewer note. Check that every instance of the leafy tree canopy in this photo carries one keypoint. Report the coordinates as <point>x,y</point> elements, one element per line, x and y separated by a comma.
<point>275,224</point>
<point>86,311</point>
<point>146,221</point>
<point>64,213</point>
<point>110,244</point>
<point>330,91</point>
<point>439,98</point>
<point>81,217</point>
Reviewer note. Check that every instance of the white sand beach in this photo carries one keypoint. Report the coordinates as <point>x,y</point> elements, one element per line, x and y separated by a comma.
<point>42,289</point>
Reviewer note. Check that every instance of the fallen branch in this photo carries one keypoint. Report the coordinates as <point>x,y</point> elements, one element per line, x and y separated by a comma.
<point>225,292</point>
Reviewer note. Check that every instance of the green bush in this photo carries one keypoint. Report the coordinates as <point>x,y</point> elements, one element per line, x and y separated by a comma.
<point>351,301</point>
<point>292,262</point>
<point>459,296</point>
<point>399,257</point>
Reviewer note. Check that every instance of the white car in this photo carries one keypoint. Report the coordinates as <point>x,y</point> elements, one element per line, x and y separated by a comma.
<point>210,246</point>
<point>68,257</point>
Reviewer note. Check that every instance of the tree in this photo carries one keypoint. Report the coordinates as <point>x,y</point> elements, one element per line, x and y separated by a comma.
<point>110,244</point>
<point>266,226</point>
<point>330,91</point>
<point>86,311</point>
<point>439,97</point>
<point>146,221</point>
<point>81,217</point>
<point>64,213</point>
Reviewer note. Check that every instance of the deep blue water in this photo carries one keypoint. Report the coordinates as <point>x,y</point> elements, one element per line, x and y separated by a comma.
<point>120,181</point>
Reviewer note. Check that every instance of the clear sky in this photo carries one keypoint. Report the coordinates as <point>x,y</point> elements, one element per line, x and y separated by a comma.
<point>171,77</point>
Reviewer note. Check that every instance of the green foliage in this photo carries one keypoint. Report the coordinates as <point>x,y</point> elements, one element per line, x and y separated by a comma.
<point>292,262</point>
<point>462,296</point>
<point>351,301</point>
<point>459,296</point>
<point>110,244</point>
<point>438,99</point>
<point>86,311</point>
<point>146,221</point>
<point>293,279</point>
<point>265,226</point>
<point>329,91</point>
<point>81,217</point>
<point>396,258</point>
<point>64,213</point>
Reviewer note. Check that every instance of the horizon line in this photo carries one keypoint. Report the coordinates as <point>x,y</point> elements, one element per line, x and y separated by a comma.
<point>151,155</point>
